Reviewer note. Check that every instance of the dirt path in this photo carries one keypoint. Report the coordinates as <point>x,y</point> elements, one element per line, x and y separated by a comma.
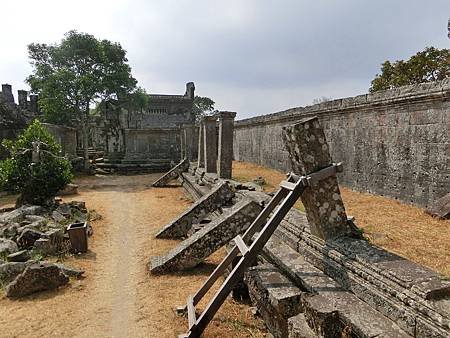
<point>118,298</point>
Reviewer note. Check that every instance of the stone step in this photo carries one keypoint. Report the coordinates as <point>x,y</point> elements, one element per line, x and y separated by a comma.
<point>207,240</point>
<point>208,203</point>
<point>275,296</point>
<point>329,309</point>
<point>298,327</point>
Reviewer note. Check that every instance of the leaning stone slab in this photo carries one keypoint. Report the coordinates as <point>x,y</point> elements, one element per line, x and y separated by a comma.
<point>276,297</point>
<point>172,174</point>
<point>36,277</point>
<point>210,202</point>
<point>441,208</point>
<point>308,153</point>
<point>204,242</point>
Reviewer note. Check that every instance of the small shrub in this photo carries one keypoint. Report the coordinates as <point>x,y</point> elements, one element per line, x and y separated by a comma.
<point>36,182</point>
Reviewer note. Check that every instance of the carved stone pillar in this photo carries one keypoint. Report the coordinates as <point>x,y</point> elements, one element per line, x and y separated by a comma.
<point>226,126</point>
<point>182,143</point>
<point>189,141</point>
<point>308,152</point>
<point>210,143</point>
<point>201,142</point>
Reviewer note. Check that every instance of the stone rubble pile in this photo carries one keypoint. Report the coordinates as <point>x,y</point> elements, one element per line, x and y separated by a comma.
<point>30,233</point>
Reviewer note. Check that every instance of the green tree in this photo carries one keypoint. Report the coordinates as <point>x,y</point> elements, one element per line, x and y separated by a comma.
<point>202,106</point>
<point>74,74</point>
<point>35,167</point>
<point>432,64</point>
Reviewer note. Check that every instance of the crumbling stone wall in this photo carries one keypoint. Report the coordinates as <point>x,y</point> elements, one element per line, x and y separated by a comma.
<point>394,143</point>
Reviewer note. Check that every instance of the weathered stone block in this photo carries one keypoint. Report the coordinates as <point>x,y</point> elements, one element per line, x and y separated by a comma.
<point>207,240</point>
<point>180,227</point>
<point>275,296</point>
<point>36,277</point>
<point>308,149</point>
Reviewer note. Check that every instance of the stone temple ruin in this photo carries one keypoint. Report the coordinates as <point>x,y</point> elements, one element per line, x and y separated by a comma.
<point>315,276</point>
<point>120,139</point>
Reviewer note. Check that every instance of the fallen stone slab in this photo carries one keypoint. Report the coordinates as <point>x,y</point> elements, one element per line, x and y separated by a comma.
<point>7,246</point>
<point>35,278</point>
<point>440,208</point>
<point>28,237</point>
<point>70,271</point>
<point>69,189</point>
<point>19,256</point>
<point>19,214</point>
<point>210,202</point>
<point>9,271</point>
<point>172,174</point>
<point>207,240</point>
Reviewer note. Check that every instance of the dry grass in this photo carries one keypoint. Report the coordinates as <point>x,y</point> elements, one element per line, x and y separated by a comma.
<point>404,229</point>
<point>118,297</point>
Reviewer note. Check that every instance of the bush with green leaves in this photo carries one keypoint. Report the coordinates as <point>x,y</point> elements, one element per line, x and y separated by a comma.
<point>37,179</point>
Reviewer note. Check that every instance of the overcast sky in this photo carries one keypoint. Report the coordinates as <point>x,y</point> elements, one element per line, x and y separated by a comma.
<point>250,56</point>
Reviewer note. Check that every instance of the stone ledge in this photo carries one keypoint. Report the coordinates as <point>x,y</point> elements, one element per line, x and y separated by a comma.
<point>329,309</point>
<point>275,296</point>
<point>425,91</point>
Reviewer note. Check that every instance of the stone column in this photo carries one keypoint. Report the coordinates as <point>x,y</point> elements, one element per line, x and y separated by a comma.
<point>7,93</point>
<point>189,141</point>
<point>309,152</point>
<point>201,151</point>
<point>22,96</point>
<point>226,126</point>
<point>34,104</point>
<point>210,143</point>
<point>182,143</point>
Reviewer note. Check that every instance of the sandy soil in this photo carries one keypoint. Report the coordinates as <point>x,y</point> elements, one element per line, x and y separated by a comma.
<point>118,297</point>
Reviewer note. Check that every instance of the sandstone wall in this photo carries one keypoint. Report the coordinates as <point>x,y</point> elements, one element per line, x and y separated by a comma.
<point>393,143</point>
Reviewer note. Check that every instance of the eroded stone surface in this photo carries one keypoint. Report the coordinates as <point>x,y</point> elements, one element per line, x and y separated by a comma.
<point>308,153</point>
<point>172,174</point>
<point>275,296</point>
<point>36,277</point>
<point>179,227</point>
<point>207,240</point>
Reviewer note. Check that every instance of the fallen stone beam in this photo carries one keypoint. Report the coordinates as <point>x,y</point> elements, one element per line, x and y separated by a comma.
<point>441,208</point>
<point>209,239</point>
<point>309,153</point>
<point>172,174</point>
<point>210,202</point>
